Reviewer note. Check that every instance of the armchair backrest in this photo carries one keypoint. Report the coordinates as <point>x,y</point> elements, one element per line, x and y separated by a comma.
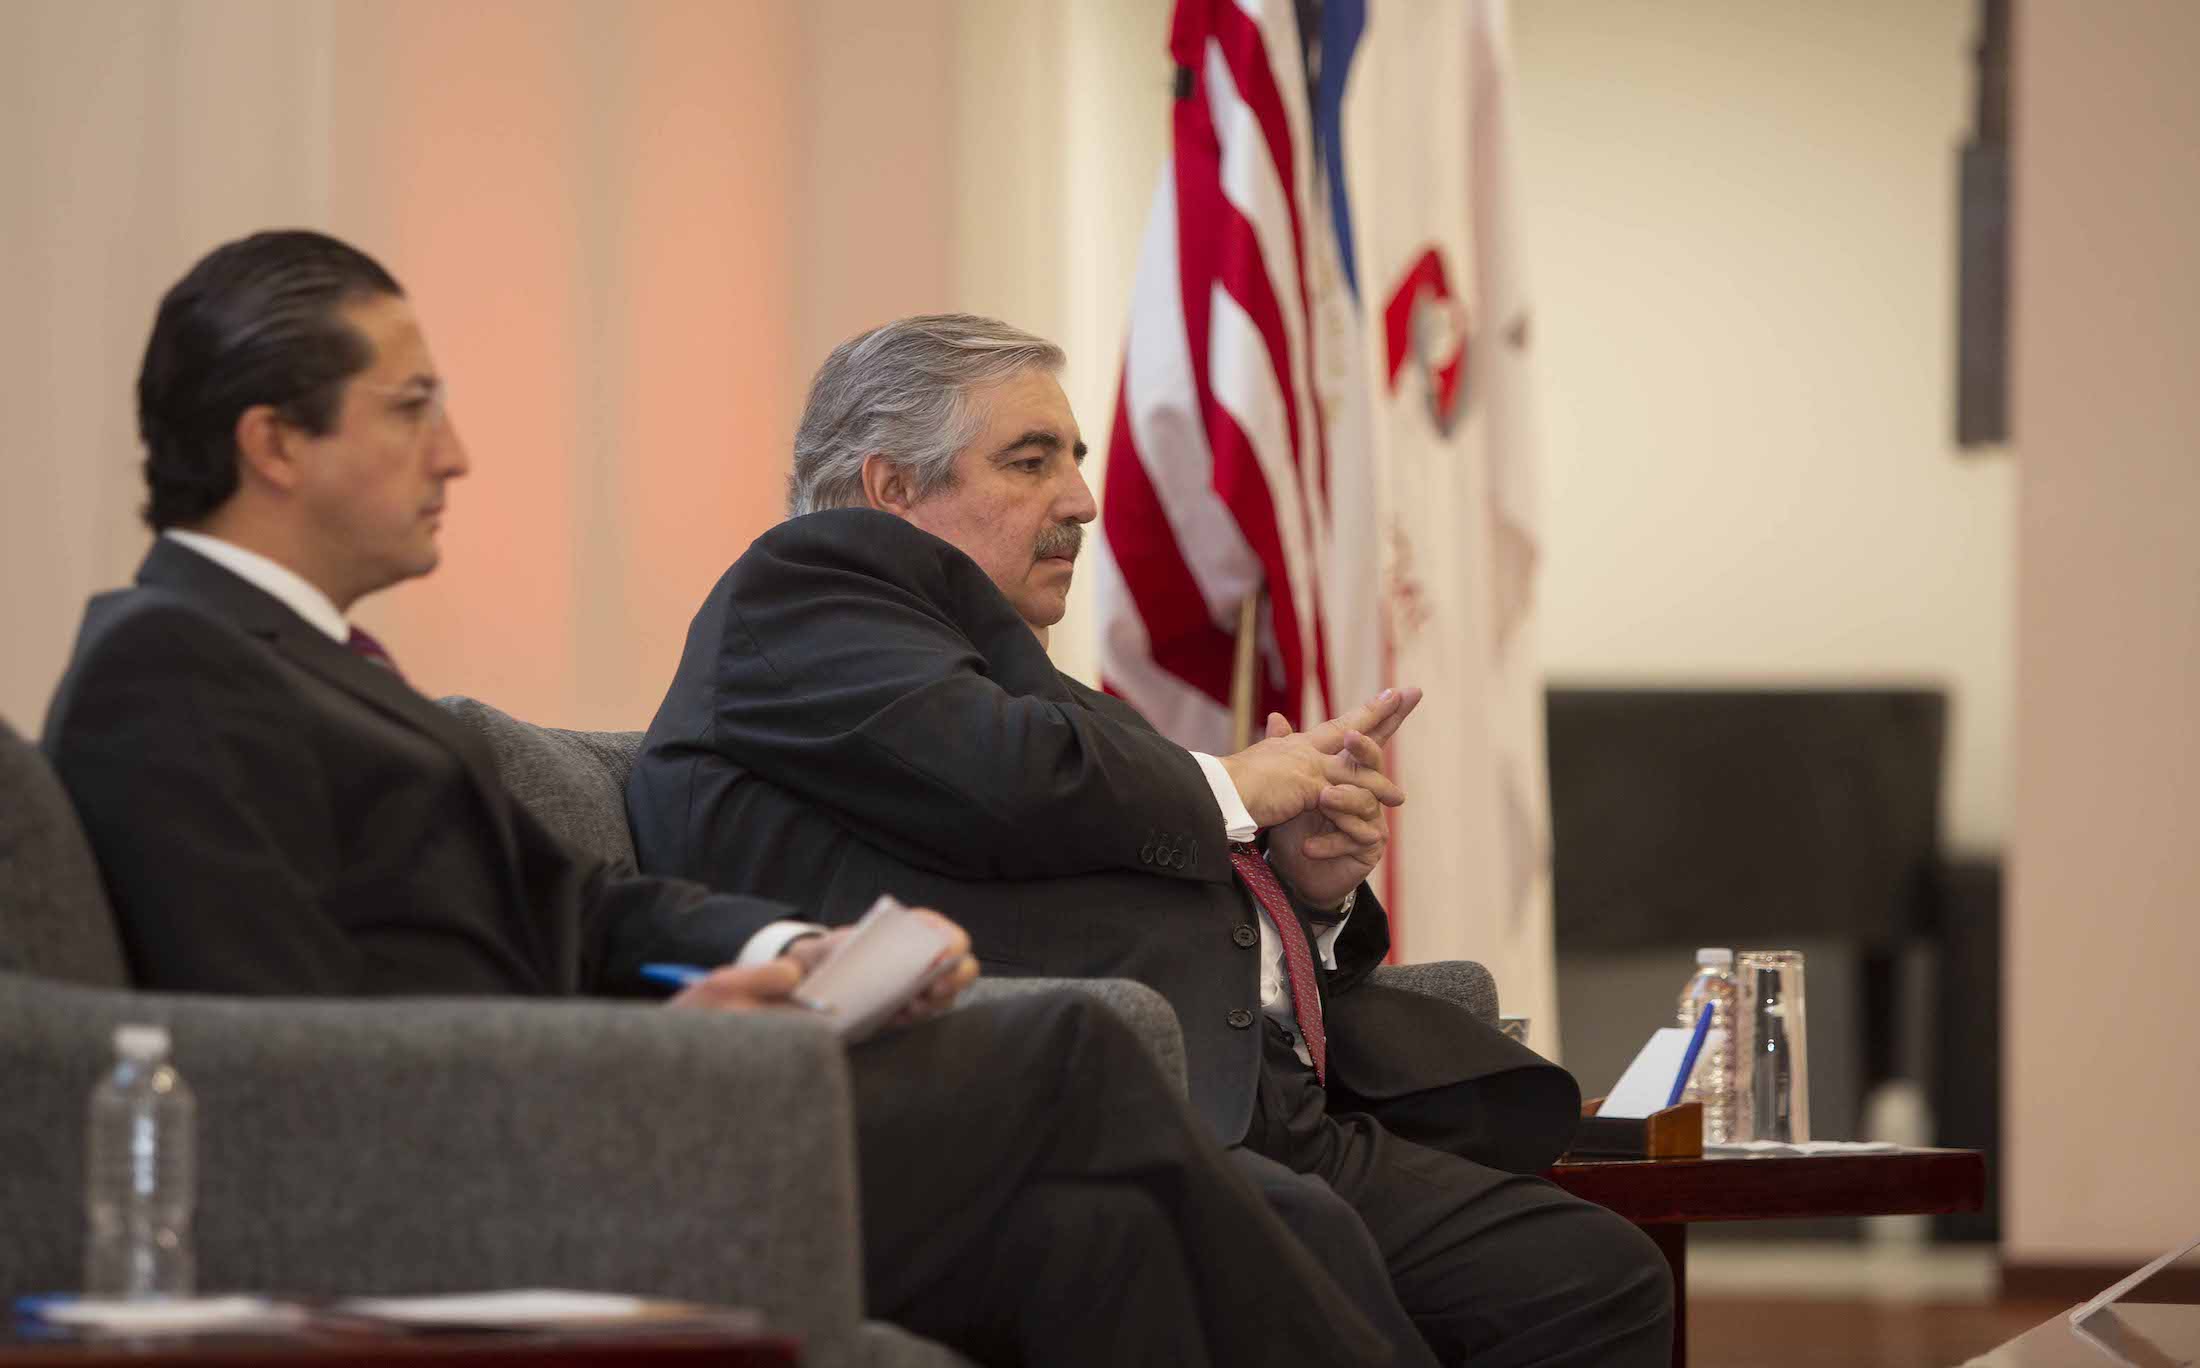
<point>574,781</point>
<point>55,921</point>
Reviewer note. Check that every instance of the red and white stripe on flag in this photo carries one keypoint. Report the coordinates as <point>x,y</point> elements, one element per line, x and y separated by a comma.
<point>1325,397</point>
<point>1220,463</point>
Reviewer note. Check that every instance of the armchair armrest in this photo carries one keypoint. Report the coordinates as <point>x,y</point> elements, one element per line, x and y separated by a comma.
<point>1459,981</point>
<point>1147,1012</point>
<point>419,1145</point>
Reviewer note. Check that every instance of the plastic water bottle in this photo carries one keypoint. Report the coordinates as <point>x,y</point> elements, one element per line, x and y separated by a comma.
<point>1715,1083</point>
<point>139,1173</point>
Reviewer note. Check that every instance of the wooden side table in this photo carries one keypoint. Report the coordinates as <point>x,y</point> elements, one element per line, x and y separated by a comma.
<point>1666,1196</point>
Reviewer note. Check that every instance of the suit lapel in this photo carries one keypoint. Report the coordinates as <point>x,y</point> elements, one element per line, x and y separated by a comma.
<point>170,565</point>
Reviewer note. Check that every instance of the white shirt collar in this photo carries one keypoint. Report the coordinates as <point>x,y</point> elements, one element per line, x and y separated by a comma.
<point>280,581</point>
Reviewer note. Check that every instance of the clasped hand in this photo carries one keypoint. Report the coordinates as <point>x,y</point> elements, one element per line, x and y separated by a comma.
<point>1322,793</point>
<point>751,987</point>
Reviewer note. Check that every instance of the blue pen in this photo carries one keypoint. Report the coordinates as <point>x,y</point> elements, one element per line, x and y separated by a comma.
<point>681,975</point>
<point>678,975</point>
<point>1695,1047</point>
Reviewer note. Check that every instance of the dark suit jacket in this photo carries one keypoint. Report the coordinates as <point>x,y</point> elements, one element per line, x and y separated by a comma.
<point>274,814</point>
<point>860,710</point>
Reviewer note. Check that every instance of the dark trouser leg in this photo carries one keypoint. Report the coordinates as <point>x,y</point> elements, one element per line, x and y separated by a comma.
<point>963,1120</point>
<point>1496,1269</point>
<point>1125,1298</point>
<point>1339,1241</point>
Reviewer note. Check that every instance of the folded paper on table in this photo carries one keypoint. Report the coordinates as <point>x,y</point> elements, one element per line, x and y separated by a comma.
<point>540,1308</point>
<point>1787,1149</point>
<point>163,1315</point>
<point>243,1315</point>
<point>1643,1089</point>
<point>521,1308</point>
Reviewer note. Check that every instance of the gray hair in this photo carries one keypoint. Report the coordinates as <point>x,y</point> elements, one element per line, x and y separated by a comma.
<point>902,391</point>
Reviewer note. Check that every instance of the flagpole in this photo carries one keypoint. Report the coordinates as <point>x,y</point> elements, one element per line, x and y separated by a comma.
<point>1241,673</point>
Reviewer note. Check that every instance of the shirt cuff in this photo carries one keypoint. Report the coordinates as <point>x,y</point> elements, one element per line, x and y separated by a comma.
<point>772,941</point>
<point>1237,823</point>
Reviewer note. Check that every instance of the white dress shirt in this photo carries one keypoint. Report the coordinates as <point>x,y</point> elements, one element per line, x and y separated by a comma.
<point>276,580</point>
<point>1275,980</point>
<point>291,589</point>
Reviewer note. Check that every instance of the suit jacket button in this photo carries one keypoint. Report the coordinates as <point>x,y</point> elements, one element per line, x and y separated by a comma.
<point>1240,1018</point>
<point>1246,936</point>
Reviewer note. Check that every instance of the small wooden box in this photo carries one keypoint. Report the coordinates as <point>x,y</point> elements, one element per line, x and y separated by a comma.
<point>1674,1133</point>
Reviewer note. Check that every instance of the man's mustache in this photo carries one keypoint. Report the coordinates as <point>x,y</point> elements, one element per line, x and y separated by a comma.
<point>1063,539</point>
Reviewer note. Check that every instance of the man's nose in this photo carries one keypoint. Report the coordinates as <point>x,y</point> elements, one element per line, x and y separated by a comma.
<point>451,460</point>
<point>1075,503</point>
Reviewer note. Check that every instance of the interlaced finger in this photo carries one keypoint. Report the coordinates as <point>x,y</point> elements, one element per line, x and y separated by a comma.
<point>1345,769</point>
<point>1363,831</point>
<point>1333,845</point>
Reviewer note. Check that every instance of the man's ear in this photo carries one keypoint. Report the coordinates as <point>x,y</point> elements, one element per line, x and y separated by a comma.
<point>267,449</point>
<point>886,487</point>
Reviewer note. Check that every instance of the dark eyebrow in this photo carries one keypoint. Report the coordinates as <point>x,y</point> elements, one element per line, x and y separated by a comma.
<point>419,380</point>
<point>1043,438</point>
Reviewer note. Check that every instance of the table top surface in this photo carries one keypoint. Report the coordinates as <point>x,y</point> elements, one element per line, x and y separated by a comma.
<point>1780,1187</point>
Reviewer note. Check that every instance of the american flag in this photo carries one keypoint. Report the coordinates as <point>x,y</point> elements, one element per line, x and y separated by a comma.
<point>1238,465</point>
<point>1331,419</point>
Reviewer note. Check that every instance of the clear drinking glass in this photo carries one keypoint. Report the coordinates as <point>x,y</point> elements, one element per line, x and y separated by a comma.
<point>1775,1063</point>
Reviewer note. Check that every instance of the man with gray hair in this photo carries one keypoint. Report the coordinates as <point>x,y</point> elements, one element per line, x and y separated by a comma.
<point>865,705</point>
<point>911,389</point>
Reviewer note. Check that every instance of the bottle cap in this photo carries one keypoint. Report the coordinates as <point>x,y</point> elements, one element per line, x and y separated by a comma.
<point>141,1042</point>
<point>1711,955</point>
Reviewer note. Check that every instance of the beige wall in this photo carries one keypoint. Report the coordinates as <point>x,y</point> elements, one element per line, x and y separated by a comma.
<point>135,135</point>
<point>1740,221</point>
<point>591,205</point>
<point>2104,925</point>
<point>632,230</point>
<point>595,207</point>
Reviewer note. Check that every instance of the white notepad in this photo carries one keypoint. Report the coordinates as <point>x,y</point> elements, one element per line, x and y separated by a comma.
<point>169,1315</point>
<point>874,973</point>
<point>521,1309</point>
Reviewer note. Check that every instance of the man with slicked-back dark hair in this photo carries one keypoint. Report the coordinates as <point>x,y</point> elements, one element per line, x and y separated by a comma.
<point>276,811</point>
<point>236,333</point>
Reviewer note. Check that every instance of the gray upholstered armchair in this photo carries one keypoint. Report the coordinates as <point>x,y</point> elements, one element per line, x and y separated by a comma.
<point>448,1144</point>
<point>432,1144</point>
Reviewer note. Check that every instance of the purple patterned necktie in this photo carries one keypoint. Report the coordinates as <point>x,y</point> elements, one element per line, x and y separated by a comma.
<point>1298,956</point>
<point>363,644</point>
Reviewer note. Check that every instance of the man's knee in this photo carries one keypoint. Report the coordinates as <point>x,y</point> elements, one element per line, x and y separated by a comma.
<point>1549,1279</point>
<point>1621,1273</point>
<point>1058,1015</point>
<point>1080,1032</point>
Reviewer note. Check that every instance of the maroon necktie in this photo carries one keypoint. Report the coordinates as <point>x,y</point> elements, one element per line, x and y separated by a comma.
<point>362,644</point>
<point>1298,956</point>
